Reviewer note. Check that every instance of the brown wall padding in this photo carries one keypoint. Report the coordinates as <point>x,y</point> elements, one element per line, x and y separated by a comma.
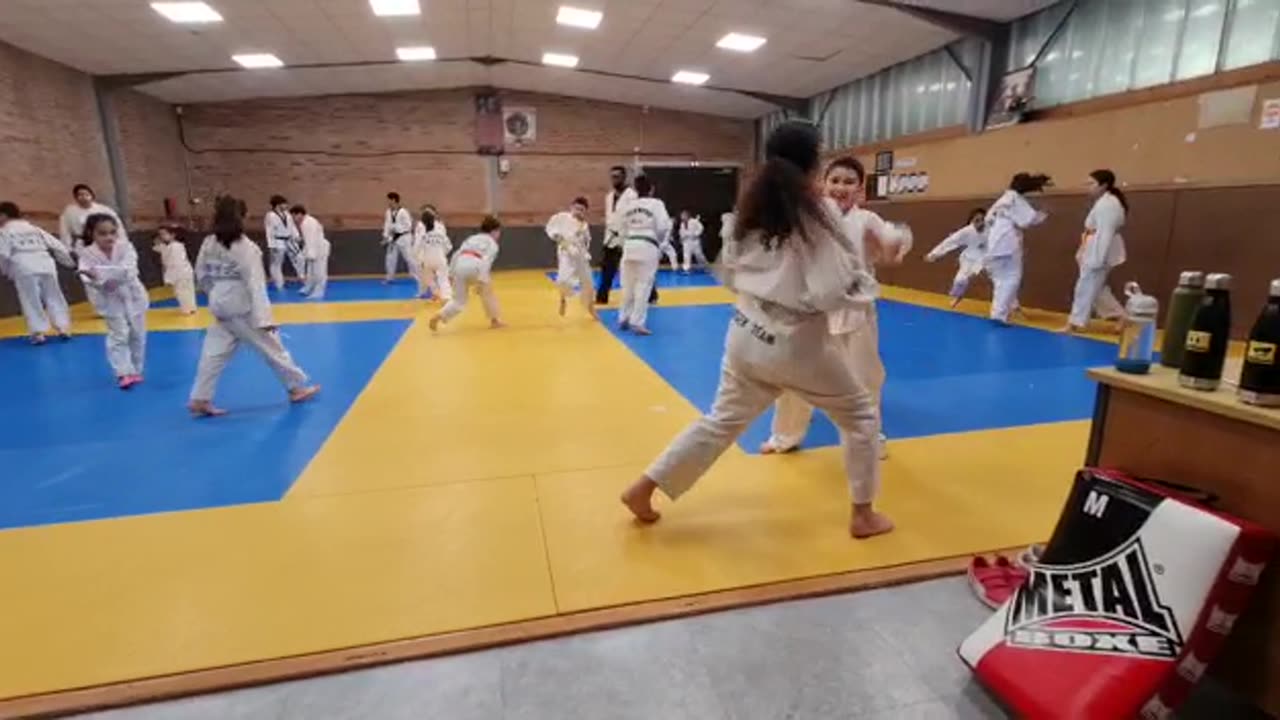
<point>1231,230</point>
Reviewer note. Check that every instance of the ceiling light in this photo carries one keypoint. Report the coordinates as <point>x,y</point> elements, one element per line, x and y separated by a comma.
<point>187,12</point>
<point>409,54</point>
<point>560,60</point>
<point>258,60</point>
<point>740,42</point>
<point>393,8</point>
<point>577,17</point>
<point>689,77</point>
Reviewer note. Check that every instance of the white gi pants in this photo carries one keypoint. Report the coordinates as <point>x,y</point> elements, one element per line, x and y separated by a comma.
<point>964,274</point>
<point>398,249</point>
<point>127,343</point>
<point>276,257</point>
<point>575,268</point>
<point>693,254</point>
<point>466,275</point>
<point>1006,281</point>
<point>42,302</point>
<point>317,278</point>
<point>435,274</point>
<point>184,289</point>
<point>669,249</point>
<point>1092,294</point>
<point>221,341</point>
<point>640,260</point>
<point>760,365</point>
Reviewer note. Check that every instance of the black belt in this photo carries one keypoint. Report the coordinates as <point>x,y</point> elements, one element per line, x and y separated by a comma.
<point>652,241</point>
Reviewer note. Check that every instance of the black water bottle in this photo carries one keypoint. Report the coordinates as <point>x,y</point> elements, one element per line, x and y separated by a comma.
<point>1206,348</point>
<point>1260,376</point>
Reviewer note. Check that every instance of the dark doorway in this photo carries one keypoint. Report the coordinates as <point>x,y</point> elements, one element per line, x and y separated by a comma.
<point>707,192</point>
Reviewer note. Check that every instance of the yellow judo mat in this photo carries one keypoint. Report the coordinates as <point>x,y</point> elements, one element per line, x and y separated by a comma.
<point>473,483</point>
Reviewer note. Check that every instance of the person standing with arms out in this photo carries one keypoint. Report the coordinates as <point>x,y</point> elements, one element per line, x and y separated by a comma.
<point>229,270</point>
<point>472,265</point>
<point>1007,220</point>
<point>177,271</point>
<point>971,241</point>
<point>691,240</point>
<point>1101,250</point>
<point>282,241</point>
<point>71,224</point>
<point>791,264</point>
<point>27,256</point>
<point>109,268</point>
<point>645,222</point>
<point>572,236</point>
<point>397,236</point>
<point>315,247</point>
<point>614,237</point>
<point>433,248</point>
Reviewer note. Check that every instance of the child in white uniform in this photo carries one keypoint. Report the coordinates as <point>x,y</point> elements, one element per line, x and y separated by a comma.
<point>691,240</point>
<point>229,270</point>
<point>472,265</point>
<point>27,255</point>
<point>315,248</point>
<point>644,223</point>
<point>1101,250</point>
<point>109,268</point>
<point>971,241</point>
<point>1007,219</point>
<point>283,241</point>
<point>788,277</point>
<point>433,248</point>
<point>176,266</point>
<point>572,236</point>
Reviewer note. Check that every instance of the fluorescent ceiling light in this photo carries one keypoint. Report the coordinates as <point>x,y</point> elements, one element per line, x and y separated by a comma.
<point>740,42</point>
<point>409,54</point>
<point>577,17</point>
<point>258,60</point>
<point>689,77</point>
<point>393,8</point>
<point>187,12</point>
<point>560,60</point>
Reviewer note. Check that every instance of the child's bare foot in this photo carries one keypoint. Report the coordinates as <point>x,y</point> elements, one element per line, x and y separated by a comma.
<point>1070,329</point>
<point>564,307</point>
<point>495,324</point>
<point>204,408</point>
<point>303,394</point>
<point>641,330</point>
<point>865,522</point>
<point>37,339</point>
<point>769,447</point>
<point>639,500</point>
<point>954,302</point>
<point>434,324</point>
<point>595,315</point>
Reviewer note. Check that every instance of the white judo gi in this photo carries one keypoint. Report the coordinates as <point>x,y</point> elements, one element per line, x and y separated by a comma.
<point>573,256</point>
<point>1007,219</point>
<point>71,224</point>
<point>644,223</point>
<point>433,247</point>
<point>283,241</point>
<point>780,341</point>
<point>397,235</point>
<point>27,255</point>
<point>972,244</point>
<point>178,274</point>
<point>316,248</point>
<point>112,284</point>
<point>472,265</point>
<point>691,243</point>
<point>237,289</point>
<point>1101,250</point>
<point>669,250</point>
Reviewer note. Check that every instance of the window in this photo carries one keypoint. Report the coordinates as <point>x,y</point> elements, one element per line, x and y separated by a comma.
<point>1201,38</point>
<point>1253,34</point>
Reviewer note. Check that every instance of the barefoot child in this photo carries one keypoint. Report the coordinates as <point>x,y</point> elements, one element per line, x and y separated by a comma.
<point>178,273</point>
<point>971,240</point>
<point>471,267</point>
<point>433,245</point>
<point>645,223</point>
<point>691,240</point>
<point>315,248</point>
<point>109,268</point>
<point>27,255</point>
<point>572,236</point>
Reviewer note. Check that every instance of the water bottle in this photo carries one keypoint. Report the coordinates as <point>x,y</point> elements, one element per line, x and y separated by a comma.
<point>1182,310</point>
<point>1260,376</point>
<point>1137,331</point>
<point>1206,347</point>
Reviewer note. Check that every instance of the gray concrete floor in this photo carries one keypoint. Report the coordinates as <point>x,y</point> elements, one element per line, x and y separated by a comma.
<point>873,655</point>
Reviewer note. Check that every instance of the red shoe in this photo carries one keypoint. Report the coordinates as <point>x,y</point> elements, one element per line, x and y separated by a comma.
<point>992,583</point>
<point>128,381</point>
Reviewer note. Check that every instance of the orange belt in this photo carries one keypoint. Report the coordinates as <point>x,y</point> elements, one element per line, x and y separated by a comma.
<point>472,253</point>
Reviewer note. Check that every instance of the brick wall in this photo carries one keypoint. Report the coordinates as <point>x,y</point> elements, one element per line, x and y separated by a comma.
<point>151,153</point>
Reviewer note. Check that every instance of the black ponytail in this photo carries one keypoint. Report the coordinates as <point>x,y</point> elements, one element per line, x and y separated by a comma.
<point>1107,179</point>
<point>228,219</point>
<point>781,199</point>
<point>1024,183</point>
<point>428,219</point>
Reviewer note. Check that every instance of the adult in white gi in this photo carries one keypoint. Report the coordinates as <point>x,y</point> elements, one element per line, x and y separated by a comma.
<point>614,233</point>
<point>27,256</point>
<point>397,236</point>
<point>644,222</point>
<point>971,241</point>
<point>316,248</point>
<point>229,270</point>
<point>109,268</point>
<point>1101,249</point>
<point>176,266</point>
<point>433,247</point>
<point>1007,219</point>
<point>691,240</point>
<point>283,240</point>
<point>472,265</point>
<point>788,278</point>
<point>71,224</point>
<point>571,233</point>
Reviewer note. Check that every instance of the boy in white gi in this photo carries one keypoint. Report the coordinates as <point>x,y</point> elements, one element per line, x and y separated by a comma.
<point>71,224</point>
<point>1007,219</point>
<point>433,248</point>
<point>1101,250</point>
<point>971,241</point>
<point>644,222</point>
<point>790,264</point>
<point>229,270</point>
<point>691,240</point>
<point>315,247</point>
<point>572,236</point>
<point>472,265</point>
<point>27,256</point>
<point>283,241</point>
<point>397,236</point>
<point>109,268</point>
<point>177,271</point>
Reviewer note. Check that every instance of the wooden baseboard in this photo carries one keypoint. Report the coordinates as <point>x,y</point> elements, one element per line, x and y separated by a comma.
<point>304,666</point>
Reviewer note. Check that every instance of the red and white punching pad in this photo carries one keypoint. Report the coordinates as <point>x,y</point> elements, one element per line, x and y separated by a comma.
<point>1133,597</point>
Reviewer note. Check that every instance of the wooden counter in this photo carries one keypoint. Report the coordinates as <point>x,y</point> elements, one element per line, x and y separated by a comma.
<point>1149,426</point>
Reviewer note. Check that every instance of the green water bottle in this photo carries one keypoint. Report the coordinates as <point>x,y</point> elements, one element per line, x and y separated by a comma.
<point>1182,309</point>
<point>1206,347</point>
<point>1260,376</point>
